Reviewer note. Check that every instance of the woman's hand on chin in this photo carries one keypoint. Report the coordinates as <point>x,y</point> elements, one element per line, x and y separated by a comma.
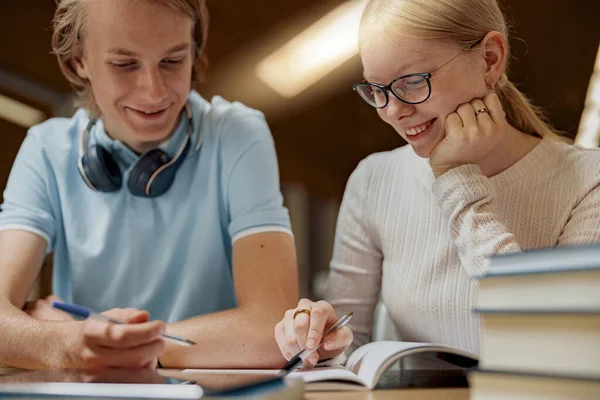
<point>471,132</point>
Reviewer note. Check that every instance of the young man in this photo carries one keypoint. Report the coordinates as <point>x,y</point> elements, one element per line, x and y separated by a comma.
<point>150,197</point>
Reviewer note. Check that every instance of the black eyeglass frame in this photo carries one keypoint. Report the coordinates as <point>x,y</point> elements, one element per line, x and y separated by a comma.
<point>424,75</point>
<point>388,87</point>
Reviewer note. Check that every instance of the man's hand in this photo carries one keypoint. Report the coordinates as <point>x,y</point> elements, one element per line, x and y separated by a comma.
<point>42,309</point>
<point>134,344</point>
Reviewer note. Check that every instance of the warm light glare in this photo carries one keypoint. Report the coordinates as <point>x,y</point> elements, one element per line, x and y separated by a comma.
<point>19,113</point>
<point>589,127</point>
<point>315,52</point>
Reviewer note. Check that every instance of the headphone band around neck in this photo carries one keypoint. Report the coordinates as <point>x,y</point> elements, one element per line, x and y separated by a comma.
<point>84,136</point>
<point>174,162</point>
<point>182,150</point>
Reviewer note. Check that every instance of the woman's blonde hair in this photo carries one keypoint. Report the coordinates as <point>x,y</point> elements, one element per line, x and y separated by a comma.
<point>462,23</point>
<point>69,32</point>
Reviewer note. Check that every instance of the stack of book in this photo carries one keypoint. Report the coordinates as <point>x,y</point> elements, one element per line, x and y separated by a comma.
<point>540,326</point>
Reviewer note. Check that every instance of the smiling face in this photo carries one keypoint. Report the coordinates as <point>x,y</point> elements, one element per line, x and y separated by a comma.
<point>459,81</point>
<point>138,58</point>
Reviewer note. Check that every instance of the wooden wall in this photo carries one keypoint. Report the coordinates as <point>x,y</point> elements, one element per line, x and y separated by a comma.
<point>322,134</point>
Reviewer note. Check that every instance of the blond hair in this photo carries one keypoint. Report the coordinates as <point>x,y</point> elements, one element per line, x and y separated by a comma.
<point>69,32</point>
<point>462,23</point>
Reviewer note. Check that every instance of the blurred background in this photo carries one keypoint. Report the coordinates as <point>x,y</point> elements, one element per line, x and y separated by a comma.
<point>296,61</point>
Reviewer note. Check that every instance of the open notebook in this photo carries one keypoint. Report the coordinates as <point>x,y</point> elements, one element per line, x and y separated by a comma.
<point>365,366</point>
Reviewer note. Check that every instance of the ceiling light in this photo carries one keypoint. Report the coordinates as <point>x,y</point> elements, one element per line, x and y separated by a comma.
<point>315,52</point>
<point>19,113</point>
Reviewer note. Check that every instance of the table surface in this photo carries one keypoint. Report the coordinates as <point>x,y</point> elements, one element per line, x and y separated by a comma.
<point>389,394</point>
<point>394,384</point>
<point>412,393</point>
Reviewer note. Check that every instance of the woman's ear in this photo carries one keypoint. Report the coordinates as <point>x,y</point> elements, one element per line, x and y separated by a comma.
<point>494,47</point>
<point>79,64</point>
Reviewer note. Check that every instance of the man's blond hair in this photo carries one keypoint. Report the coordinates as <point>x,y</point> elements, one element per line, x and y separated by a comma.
<point>69,31</point>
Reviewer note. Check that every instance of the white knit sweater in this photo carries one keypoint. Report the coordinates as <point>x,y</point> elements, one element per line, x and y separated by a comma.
<point>418,241</point>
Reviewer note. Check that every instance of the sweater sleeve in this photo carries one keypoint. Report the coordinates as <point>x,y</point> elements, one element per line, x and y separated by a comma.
<point>355,274</point>
<point>465,197</point>
<point>583,226</point>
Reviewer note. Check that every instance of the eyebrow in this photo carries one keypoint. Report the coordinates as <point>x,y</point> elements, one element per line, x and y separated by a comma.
<point>124,52</point>
<point>404,68</point>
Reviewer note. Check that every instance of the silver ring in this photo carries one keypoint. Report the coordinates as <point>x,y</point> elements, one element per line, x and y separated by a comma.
<point>481,110</point>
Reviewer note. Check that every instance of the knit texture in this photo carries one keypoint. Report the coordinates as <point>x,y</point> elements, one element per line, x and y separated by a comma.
<point>418,241</point>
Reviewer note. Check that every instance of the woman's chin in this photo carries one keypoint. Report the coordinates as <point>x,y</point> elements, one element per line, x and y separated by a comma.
<point>424,148</point>
<point>422,151</point>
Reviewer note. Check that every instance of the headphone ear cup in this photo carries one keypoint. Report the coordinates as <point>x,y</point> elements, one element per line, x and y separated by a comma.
<point>143,170</point>
<point>101,169</point>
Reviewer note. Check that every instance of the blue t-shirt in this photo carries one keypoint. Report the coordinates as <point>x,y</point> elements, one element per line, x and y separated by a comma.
<point>170,255</point>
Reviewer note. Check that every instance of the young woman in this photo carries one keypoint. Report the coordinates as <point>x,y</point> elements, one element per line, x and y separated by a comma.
<point>483,174</point>
<point>149,197</point>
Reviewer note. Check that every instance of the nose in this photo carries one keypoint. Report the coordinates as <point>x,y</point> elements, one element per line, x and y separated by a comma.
<point>397,109</point>
<point>152,85</point>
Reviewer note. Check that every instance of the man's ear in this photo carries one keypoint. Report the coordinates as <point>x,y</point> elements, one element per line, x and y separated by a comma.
<point>494,51</point>
<point>79,64</point>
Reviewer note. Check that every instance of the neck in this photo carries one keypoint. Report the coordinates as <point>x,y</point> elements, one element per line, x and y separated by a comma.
<point>138,146</point>
<point>513,147</point>
<point>141,147</point>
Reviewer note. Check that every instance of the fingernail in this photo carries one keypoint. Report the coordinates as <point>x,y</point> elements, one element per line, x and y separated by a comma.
<point>311,343</point>
<point>329,344</point>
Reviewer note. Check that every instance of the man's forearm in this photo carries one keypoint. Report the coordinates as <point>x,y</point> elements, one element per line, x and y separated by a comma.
<point>266,285</point>
<point>30,343</point>
<point>236,338</point>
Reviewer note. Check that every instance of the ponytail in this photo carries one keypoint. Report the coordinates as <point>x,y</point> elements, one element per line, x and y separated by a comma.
<point>521,114</point>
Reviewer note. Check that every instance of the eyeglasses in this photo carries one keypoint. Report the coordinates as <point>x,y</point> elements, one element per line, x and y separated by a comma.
<point>410,89</point>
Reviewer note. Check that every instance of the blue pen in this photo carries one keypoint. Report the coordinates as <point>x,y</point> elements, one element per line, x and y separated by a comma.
<point>84,312</point>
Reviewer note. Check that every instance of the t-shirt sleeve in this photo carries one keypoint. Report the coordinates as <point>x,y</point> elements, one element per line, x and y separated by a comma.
<point>251,177</point>
<point>27,205</point>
